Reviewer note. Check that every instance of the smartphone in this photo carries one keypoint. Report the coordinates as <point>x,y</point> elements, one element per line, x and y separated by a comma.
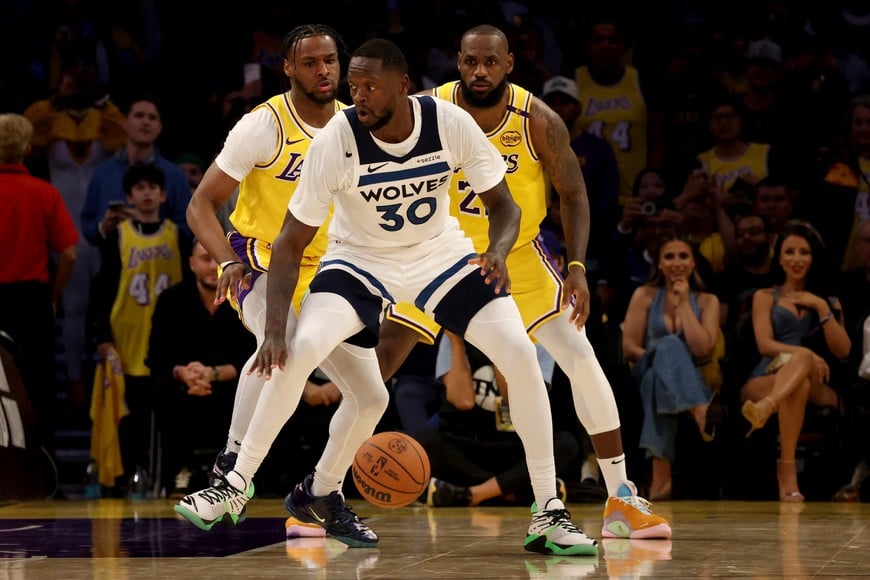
<point>116,205</point>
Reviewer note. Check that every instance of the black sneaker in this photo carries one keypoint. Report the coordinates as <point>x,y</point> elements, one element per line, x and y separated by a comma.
<point>331,513</point>
<point>443,494</point>
<point>223,464</point>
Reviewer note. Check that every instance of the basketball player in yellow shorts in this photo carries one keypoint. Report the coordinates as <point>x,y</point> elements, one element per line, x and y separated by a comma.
<point>533,139</point>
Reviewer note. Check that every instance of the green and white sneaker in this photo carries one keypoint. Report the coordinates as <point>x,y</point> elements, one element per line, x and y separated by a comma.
<point>226,500</point>
<point>553,532</point>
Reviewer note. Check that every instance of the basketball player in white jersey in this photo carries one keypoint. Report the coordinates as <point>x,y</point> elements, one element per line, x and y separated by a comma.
<point>386,165</point>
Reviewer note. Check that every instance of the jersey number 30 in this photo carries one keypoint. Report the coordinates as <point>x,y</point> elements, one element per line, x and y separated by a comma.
<point>419,211</point>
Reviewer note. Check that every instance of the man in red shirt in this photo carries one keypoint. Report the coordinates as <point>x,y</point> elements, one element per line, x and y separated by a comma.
<point>34,223</point>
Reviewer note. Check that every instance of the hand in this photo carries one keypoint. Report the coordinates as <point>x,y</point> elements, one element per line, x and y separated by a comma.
<point>325,394</point>
<point>493,267</point>
<point>272,355</point>
<point>807,300</point>
<point>199,389</point>
<point>823,369</point>
<point>576,287</point>
<point>234,278</point>
<point>680,290</point>
<point>114,215</point>
<point>631,213</point>
<point>103,350</point>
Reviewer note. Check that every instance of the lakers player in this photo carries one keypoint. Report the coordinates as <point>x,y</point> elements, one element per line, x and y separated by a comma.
<point>534,143</point>
<point>262,157</point>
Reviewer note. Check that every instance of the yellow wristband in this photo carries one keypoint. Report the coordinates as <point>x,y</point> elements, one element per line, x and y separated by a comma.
<point>577,263</point>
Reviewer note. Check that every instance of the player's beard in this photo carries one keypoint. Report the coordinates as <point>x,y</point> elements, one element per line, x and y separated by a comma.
<point>320,98</point>
<point>380,122</point>
<point>491,99</point>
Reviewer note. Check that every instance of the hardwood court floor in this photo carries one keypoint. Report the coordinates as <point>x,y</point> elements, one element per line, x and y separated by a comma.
<point>118,539</point>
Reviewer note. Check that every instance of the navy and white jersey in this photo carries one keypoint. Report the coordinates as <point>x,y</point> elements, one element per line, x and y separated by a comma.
<point>393,195</point>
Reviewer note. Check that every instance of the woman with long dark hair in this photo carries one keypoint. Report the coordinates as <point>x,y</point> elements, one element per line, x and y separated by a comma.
<point>798,329</point>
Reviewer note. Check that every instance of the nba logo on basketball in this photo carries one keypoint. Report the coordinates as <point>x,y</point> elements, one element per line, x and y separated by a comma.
<point>378,465</point>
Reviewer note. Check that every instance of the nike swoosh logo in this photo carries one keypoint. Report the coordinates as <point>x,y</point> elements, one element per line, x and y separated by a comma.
<point>372,169</point>
<point>317,517</point>
<point>289,142</point>
<point>617,461</point>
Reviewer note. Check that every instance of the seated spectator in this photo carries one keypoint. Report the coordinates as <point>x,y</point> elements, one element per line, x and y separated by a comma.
<point>799,331</point>
<point>774,200</point>
<point>476,454</point>
<point>196,351</point>
<point>671,327</point>
<point>140,258</point>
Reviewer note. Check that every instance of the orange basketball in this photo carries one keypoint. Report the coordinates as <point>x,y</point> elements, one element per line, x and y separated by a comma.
<point>391,469</point>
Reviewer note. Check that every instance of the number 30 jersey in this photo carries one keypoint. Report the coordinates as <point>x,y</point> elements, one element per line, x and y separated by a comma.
<point>389,196</point>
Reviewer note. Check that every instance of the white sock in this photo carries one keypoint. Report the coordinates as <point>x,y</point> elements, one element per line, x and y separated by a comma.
<point>613,470</point>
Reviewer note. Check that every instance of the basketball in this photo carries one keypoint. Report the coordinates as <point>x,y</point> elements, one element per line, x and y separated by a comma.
<point>391,469</point>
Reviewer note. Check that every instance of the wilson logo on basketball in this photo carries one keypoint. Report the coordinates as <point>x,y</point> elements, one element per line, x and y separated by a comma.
<point>369,491</point>
<point>511,139</point>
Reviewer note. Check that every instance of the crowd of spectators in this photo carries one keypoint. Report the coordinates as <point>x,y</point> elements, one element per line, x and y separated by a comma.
<point>725,123</point>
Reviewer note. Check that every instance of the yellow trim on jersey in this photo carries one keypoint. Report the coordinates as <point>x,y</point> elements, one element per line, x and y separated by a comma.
<point>265,192</point>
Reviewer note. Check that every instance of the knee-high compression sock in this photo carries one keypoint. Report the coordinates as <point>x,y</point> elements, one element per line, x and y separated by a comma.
<point>325,321</point>
<point>364,398</point>
<point>497,330</point>
<point>593,397</point>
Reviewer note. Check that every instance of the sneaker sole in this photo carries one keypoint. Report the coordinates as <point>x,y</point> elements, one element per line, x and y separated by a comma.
<point>620,529</point>
<point>541,545</point>
<point>228,519</point>
<point>305,519</point>
<point>193,518</point>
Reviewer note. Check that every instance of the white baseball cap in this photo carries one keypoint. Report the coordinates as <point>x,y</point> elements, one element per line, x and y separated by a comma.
<point>560,84</point>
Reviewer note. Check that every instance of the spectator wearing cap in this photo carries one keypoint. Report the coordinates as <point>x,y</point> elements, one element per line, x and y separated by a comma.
<point>763,108</point>
<point>598,163</point>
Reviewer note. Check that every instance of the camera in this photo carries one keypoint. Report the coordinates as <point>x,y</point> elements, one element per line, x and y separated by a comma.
<point>649,208</point>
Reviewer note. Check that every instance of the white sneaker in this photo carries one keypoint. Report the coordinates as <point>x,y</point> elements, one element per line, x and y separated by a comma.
<point>553,532</point>
<point>225,500</point>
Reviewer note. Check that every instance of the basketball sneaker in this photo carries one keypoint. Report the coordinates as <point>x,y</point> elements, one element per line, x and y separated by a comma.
<point>553,532</point>
<point>442,494</point>
<point>331,513</point>
<point>223,464</point>
<point>224,501</point>
<point>630,516</point>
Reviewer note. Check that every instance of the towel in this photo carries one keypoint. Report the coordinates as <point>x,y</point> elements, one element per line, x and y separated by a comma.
<point>107,408</point>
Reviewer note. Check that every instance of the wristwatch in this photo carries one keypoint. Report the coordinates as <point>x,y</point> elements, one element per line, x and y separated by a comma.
<point>215,374</point>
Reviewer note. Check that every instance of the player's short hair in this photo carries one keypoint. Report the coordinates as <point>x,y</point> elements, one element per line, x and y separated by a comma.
<point>385,51</point>
<point>291,40</point>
